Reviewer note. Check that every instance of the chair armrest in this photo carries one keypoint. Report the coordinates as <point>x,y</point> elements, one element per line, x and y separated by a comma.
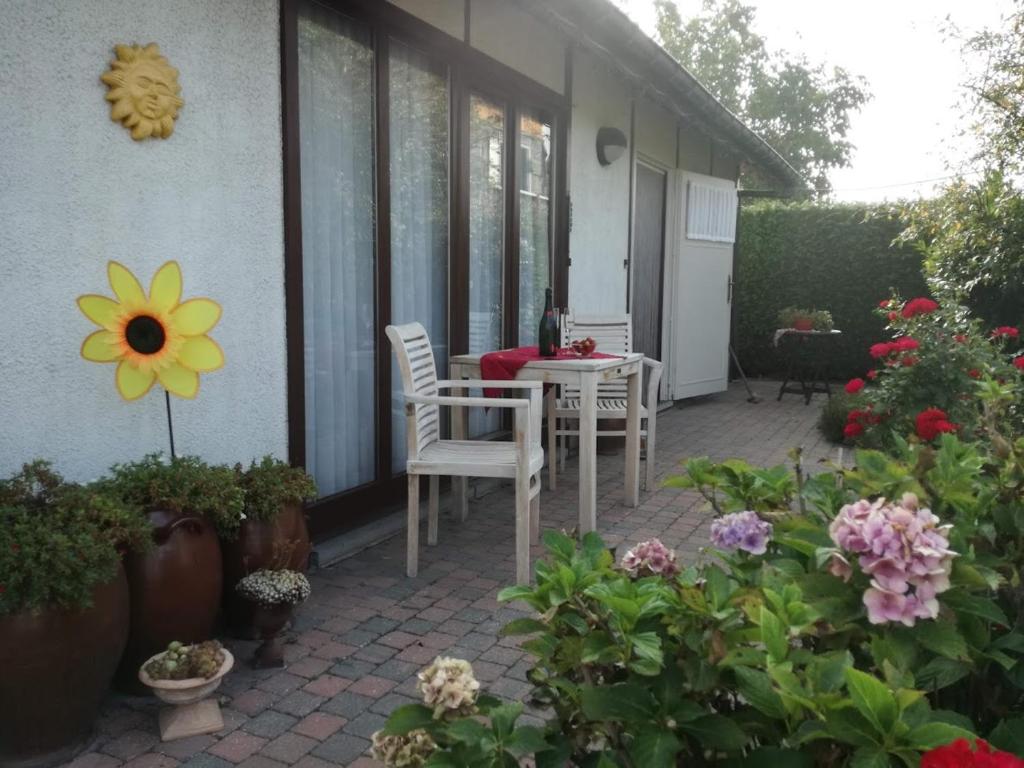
<point>482,383</point>
<point>480,402</point>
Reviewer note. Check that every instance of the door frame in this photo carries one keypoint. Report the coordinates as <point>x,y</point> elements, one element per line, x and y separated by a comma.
<point>468,70</point>
<point>666,172</point>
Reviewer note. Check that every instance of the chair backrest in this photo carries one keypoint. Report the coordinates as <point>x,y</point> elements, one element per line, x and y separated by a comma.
<point>614,336</point>
<point>419,377</point>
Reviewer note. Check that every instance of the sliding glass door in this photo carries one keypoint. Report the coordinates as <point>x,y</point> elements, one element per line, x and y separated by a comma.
<point>419,186</point>
<point>336,136</point>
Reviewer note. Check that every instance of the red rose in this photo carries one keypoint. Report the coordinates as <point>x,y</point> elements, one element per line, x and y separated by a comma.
<point>884,303</point>
<point>960,338</point>
<point>974,373</point>
<point>932,422</point>
<point>909,360</point>
<point>1005,331</point>
<point>872,374</point>
<point>853,386</point>
<point>1018,362</point>
<point>853,429</point>
<point>894,316</point>
<point>919,307</point>
<point>905,344</point>
<point>880,350</point>
<point>855,415</point>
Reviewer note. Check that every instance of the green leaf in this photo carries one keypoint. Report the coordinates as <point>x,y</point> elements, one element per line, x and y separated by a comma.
<point>599,648</point>
<point>773,635</point>
<point>942,638</point>
<point>975,605</point>
<point>716,732</point>
<point>931,735</point>
<point>873,699</point>
<point>503,718</point>
<point>851,727</point>
<point>654,747</point>
<point>524,626</point>
<point>526,740</point>
<point>509,594</point>
<point>756,687</point>
<point>624,702</point>
<point>559,545</point>
<point>407,718</point>
<point>870,757</point>
<point>469,731</point>
<point>771,757</point>
<point>1008,736</point>
<point>647,645</point>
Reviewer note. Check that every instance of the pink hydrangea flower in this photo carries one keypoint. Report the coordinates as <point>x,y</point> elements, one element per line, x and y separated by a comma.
<point>650,558</point>
<point>903,548</point>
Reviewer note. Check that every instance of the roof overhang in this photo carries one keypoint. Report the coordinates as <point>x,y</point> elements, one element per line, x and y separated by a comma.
<point>601,28</point>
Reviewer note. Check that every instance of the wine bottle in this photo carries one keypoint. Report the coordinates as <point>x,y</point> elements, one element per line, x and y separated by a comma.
<point>547,335</point>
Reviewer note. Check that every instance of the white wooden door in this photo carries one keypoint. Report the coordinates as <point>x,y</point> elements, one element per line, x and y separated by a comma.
<point>699,281</point>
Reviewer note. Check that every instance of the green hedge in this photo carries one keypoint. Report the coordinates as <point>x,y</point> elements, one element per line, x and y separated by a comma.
<point>834,257</point>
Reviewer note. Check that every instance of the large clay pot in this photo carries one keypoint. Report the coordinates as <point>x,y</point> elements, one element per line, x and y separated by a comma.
<point>259,545</point>
<point>175,589</point>
<point>56,667</point>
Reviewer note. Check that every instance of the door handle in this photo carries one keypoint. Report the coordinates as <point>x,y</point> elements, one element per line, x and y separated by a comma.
<point>728,289</point>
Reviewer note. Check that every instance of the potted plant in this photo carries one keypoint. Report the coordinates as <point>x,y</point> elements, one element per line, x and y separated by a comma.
<point>273,533</point>
<point>63,610</point>
<point>176,585</point>
<point>184,676</point>
<point>805,319</point>
<point>273,596</point>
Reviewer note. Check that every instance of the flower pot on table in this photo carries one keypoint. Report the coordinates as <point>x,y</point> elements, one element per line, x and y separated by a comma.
<point>175,590</point>
<point>57,666</point>
<point>803,324</point>
<point>258,546</point>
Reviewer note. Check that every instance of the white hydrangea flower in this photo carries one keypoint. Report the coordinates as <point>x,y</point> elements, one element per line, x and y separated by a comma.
<point>448,685</point>
<point>409,751</point>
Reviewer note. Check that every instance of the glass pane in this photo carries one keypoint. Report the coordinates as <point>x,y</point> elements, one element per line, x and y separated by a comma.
<point>534,171</point>
<point>336,150</point>
<point>486,236</point>
<point>419,213</point>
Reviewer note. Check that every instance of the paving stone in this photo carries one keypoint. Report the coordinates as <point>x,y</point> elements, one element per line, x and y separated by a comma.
<point>182,749</point>
<point>94,760</point>
<point>372,686</point>
<point>131,744</point>
<point>282,683</point>
<point>353,669</point>
<point>327,686</point>
<point>299,703</point>
<point>348,705</point>
<point>320,725</point>
<point>289,747</point>
<point>259,761</point>
<point>375,653</point>
<point>387,704</point>
<point>366,724</point>
<point>151,760</point>
<point>335,651</point>
<point>237,746</point>
<point>358,637</point>
<point>311,666</point>
<point>342,748</point>
<point>396,669</point>
<point>252,702</point>
<point>417,626</point>
<point>379,625</point>
<point>270,724</point>
<point>206,760</point>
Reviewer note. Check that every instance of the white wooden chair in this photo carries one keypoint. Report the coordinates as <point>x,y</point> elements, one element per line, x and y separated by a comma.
<point>428,454</point>
<point>614,336</point>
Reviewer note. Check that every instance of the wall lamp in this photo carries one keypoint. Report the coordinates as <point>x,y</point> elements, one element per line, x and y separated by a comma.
<point>611,144</point>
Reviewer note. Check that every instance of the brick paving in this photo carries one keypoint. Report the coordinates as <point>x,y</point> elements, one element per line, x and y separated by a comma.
<point>367,629</point>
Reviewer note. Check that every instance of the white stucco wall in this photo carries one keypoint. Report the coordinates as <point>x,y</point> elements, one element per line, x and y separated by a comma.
<point>75,191</point>
<point>598,242</point>
<point>656,133</point>
<point>518,40</point>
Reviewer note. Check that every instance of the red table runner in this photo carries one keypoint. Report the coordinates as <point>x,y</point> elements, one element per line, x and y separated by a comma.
<point>504,364</point>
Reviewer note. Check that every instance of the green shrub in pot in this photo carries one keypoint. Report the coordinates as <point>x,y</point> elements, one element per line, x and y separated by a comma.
<point>270,485</point>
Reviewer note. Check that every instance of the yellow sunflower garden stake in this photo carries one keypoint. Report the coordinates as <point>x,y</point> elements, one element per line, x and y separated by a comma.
<point>152,338</point>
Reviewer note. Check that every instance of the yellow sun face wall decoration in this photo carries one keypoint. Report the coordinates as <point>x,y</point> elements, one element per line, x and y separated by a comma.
<point>143,91</point>
<point>152,338</point>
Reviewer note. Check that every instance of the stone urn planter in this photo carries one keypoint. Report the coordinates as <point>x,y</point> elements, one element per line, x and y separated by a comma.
<point>272,596</point>
<point>175,590</point>
<point>57,666</point>
<point>191,712</point>
<point>269,621</point>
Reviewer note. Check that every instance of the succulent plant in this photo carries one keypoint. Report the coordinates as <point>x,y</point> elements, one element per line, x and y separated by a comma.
<point>185,662</point>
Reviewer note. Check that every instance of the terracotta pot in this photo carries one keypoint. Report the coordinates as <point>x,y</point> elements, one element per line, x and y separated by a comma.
<point>175,589</point>
<point>803,324</point>
<point>256,547</point>
<point>57,666</point>
<point>269,620</point>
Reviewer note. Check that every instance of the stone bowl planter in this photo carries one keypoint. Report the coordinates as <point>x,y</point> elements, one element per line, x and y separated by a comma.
<point>191,713</point>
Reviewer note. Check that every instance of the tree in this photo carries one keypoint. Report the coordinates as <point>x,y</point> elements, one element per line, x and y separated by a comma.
<point>802,109</point>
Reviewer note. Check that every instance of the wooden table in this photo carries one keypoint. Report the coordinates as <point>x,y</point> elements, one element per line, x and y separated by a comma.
<point>585,374</point>
<point>805,363</point>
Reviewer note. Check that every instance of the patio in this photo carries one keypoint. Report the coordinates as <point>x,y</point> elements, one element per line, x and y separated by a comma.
<point>368,629</point>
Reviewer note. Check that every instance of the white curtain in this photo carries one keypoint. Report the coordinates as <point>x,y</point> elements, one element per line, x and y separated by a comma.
<point>336,136</point>
<point>534,171</point>
<point>419,213</point>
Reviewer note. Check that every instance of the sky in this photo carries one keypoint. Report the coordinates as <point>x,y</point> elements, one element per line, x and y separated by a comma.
<point>908,134</point>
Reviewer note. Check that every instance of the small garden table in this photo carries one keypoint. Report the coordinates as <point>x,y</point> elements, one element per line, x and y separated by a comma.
<point>585,373</point>
<point>804,364</point>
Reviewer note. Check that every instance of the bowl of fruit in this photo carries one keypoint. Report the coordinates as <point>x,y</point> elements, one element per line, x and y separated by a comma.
<point>183,676</point>
<point>584,347</point>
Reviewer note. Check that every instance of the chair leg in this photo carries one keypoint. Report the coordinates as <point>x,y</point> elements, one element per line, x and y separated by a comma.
<point>412,541</point>
<point>563,448</point>
<point>522,527</point>
<point>432,512</point>
<point>535,514</point>
<point>651,466</point>
<point>552,441</point>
